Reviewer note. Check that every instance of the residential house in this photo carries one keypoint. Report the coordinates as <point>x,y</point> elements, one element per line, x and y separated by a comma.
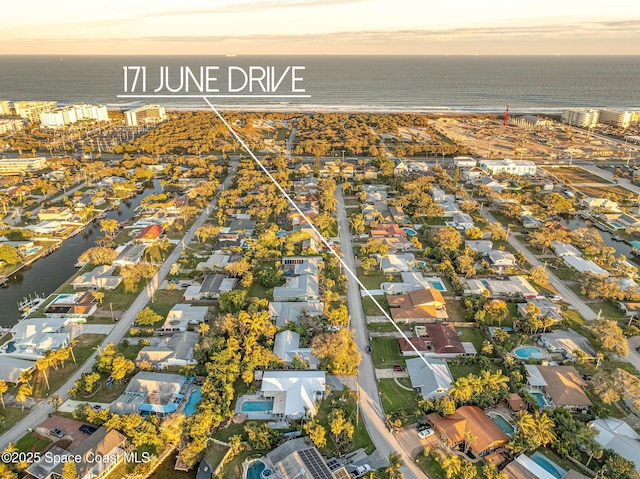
<point>474,286</point>
<point>501,260</point>
<point>438,195</point>
<point>461,221</point>
<point>430,377</point>
<point>567,342</point>
<point>286,346</point>
<point>425,304</point>
<point>397,245</point>
<point>310,209</point>
<point>435,341</point>
<point>411,281</point>
<point>397,263</point>
<point>294,393</point>
<point>149,234</point>
<point>585,265</point>
<point>548,309</point>
<point>56,213</point>
<point>378,211</point>
<point>301,265</point>
<point>630,308</point>
<point>174,350</point>
<point>298,458</point>
<point>183,315</point>
<point>244,227</point>
<point>108,445</point>
<point>473,173</point>
<point>212,287</point>
<point>388,230</point>
<point>480,246</point>
<point>601,204</point>
<point>530,222</point>
<point>78,306</point>
<point>618,436</point>
<point>101,277</point>
<point>129,254</point>
<point>509,287</point>
<point>563,386</point>
<point>469,421</point>
<point>215,262</point>
<point>298,288</point>
<point>284,312</point>
<point>374,193</point>
<point>564,249</point>
<point>152,393</point>
<point>11,368</point>
<point>399,215</point>
<point>33,337</point>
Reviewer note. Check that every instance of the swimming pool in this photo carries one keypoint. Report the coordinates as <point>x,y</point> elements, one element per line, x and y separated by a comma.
<point>255,470</point>
<point>436,283</point>
<point>528,351</point>
<point>502,423</point>
<point>540,399</point>
<point>410,231</point>
<point>194,398</point>
<point>549,466</point>
<point>33,250</point>
<point>257,406</point>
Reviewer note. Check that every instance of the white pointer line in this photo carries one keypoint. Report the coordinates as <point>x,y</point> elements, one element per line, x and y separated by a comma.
<point>315,230</point>
<point>212,96</point>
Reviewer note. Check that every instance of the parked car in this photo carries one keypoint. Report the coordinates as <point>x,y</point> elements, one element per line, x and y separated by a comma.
<point>368,349</point>
<point>88,429</point>
<point>425,433</point>
<point>361,470</point>
<point>421,426</point>
<point>57,432</point>
<point>398,369</point>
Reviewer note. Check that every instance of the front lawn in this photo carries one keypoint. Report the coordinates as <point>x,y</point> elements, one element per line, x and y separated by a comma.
<point>371,309</point>
<point>386,352</point>
<point>32,442</point>
<point>163,300</point>
<point>398,401</point>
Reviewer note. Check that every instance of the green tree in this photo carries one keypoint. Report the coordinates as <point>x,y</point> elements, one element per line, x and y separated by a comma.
<point>121,367</point>
<point>24,391</point>
<point>233,301</point>
<point>69,470</point>
<point>109,226</point>
<point>317,433</point>
<point>341,428</point>
<point>9,254</point>
<point>98,255</point>
<point>337,351</point>
<point>3,389</point>
<point>147,317</point>
<point>610,335</point>
<point>395,463</point>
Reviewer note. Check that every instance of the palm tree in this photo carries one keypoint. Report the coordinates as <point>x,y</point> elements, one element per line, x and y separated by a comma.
<point>469,438</point>
<point>25,377</point>
<point>72,343</point>
<point>3,389</point>
<point>24,391</point>
<point>42,364</point>
<point>461,391</point>
<point>544,428</point>
<point>395,463</point>
<point>99,295</point>
<point>55,401</point>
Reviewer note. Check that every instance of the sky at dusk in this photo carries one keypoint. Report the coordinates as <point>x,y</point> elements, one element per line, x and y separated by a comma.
<point>256,27</point>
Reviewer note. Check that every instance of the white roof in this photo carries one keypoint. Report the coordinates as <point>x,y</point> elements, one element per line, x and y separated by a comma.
<point>286,346</point>
<point>534,377</point>
<point>512,285</point>
<point>285,311</point>
<point>10,368</point>
<point>182,315</point>
<point>293,391</point>
<point>564,249</point>
<point>297,287</point>
<point>533,467</point>
<point>618,436</point>
<point>582,265</point>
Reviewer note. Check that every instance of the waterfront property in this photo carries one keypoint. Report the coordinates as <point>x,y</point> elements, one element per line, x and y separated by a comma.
<point>33,337</point>
<point>77,306</point>
<point>101,277</point>
<point>562,385</point>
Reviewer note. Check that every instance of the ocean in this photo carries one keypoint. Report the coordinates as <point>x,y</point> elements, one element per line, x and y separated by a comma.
<point>543,84</point>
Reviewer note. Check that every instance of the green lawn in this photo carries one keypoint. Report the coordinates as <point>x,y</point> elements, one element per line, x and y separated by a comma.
<point>472,335</point>
<point>163,300</point>
<point>427,462</point>
<point>609,310</point>
<point>166,470</point>
<point>11,416</point>
<point>371,280</point>
<point>256,290</point>
<point>459,370</point>
<point>387,327</point>
<point>233,470</point>
<point>215,454</point>
<point>395,399</point>
<point>119,299</point>
<point>386,352</point>
<point>32,442</point>
<point>370,308</point>
<point>455,310</point>
<point>84,349</point>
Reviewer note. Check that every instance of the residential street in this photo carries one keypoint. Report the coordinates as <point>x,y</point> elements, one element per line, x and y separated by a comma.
<point>369,397</point>
<point>40,412</point>
<point>572,298</point>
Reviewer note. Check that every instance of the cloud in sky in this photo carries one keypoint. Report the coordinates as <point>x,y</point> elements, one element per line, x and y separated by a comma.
<point>324,26</point>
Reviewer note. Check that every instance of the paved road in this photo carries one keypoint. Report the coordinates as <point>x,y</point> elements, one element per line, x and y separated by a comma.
<point>370,404</point>
<point>572,298</point>
<point>634,356</point>
<point>608,175</point>
<point>290,141</point>
<point>40,412</point>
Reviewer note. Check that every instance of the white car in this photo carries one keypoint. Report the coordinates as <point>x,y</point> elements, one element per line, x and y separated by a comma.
<point>425,433</point>
<point>361,470</point>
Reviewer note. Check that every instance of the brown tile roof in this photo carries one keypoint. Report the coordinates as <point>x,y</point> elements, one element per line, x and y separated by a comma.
<point>418,312</point>
<point>565,386</point>
<point>515,402</point>
<point>440,339</point>
<point>391,229</point>
<point>469,418</point>
<point>421,297</point>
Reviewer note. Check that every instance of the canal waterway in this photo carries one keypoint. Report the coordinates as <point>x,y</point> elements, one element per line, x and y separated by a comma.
<point>46,274</point>
<point>621,247</point>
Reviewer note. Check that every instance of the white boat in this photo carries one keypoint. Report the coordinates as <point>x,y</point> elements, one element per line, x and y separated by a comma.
<point>28,305</point>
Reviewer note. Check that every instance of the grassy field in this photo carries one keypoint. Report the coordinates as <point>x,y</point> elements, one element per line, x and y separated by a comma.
<point>608,310</point>
<point>32,442</point>
<point>472,335</point>
<point>163,300</point>
<point>119,299</point>
<point>430,466</point>
<point>605,191</point>
<point>387,327</point>
<point>460,370</point>
<point>370,308</point>
<point>386,352</point>
<point>570,175</point>
<point>371,280</point>
<point>395,399</point>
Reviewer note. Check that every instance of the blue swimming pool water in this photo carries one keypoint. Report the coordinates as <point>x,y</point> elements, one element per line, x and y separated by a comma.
<point>190,407</point>
<point>527,351</point>
<point>257,406</point>
<point>437,284</point>
<point>255,469</point>
<point>503,424</point>
<point>33,250</point>
<point>542,402</point>
<point>547,465</point>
